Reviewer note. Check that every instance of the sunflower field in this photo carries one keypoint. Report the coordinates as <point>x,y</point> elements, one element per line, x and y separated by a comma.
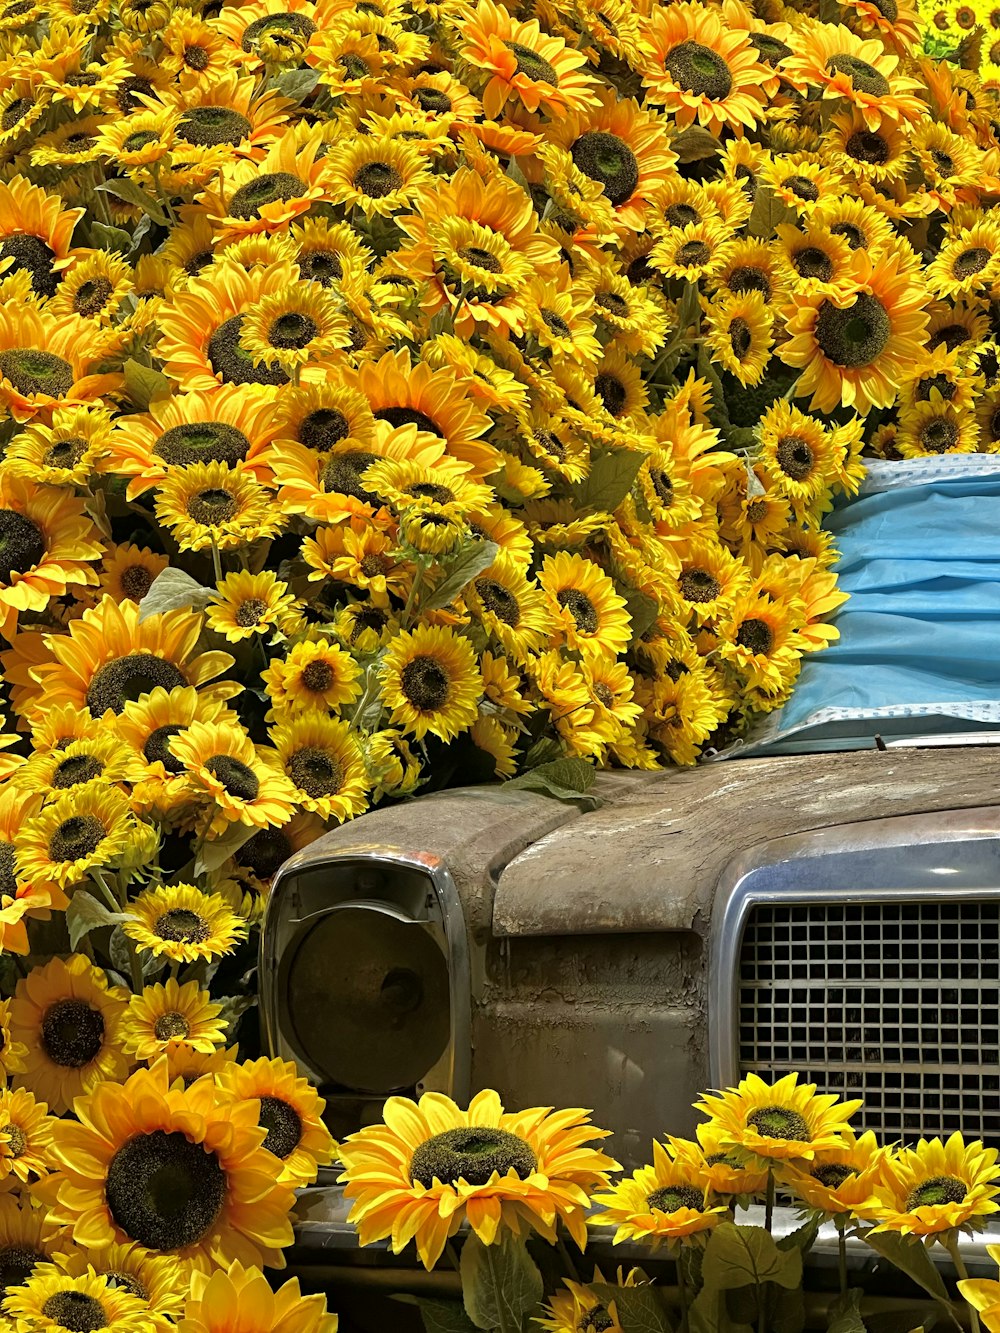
<point>398,394</point>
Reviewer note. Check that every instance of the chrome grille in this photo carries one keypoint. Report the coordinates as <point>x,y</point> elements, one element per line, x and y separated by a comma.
<point>895,1002</point>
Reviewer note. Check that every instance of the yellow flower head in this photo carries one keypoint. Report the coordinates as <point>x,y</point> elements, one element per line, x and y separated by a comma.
<point>935,1187</point>
<point>780,1122</point>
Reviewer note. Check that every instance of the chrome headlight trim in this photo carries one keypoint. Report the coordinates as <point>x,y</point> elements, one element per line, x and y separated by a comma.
<point>814,867</point>
<point>453,918</point>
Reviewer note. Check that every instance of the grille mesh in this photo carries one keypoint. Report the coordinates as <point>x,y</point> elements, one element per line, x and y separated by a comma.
<point>895,1002</point>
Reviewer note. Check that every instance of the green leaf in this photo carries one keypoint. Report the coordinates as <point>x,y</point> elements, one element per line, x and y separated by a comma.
<point>442,1316</point>
<point>143,384</point>
<point>515,174</point>
<point>909,1256</point>
<point>695,143</point>
<point>642,609</point>
<point>639,1309</point>
<point>743,1256</point>
<point>86,913</point>
<point>233,1009</point>
<point>500,1282</point>
<point>130,193</point>
<point>610,479</point>
<point>120,951</point>
<point>804,1237</point>
<point>845,1313</point>
<point>470,561</point>
<point>297,84</point>
<point>768,212</point>
<point>786,1309</point>
<point>212,854</point>
<point>173,590</point>
<point>562,779</point>
<point>110,238</point>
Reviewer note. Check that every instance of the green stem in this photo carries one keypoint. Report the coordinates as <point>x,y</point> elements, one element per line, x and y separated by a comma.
<point>411,596</point>
<point>769,1200</point>
<point>963,1273</point>
<point>216,562</point>
<point>108,894</point>
<point>682,1287</point>
<point>135,969</point>
<point>509,1323</point>
<point>842,1253</point>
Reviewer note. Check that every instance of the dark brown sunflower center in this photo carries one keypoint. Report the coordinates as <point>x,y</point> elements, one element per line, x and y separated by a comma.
<point>14,112</point>
<point>672,1197</point>
<point>265,852</point>
<point>409,416</point>
<point>699,585</point>
<point>428,490</point>
<point>321,266</point>
<point>812,262</point>
<point>864,78</point>
<point>802,187</point>
<point>832,1175</point>
<point>316,772</point>
<point>65,453</point>
<point>970,262</point>
<point>555,323</point>
<point>944,163</point>
<point>432,100</point>
<point>128,679</point>
<point>164,1190</point>
<point>125,94</point>
<point>795,457</point>
<point>612,393</point>
<point>934,384</point>
<point>202,442</point>
<point>208,126</point>
<point>22,544</point>
<point>171,1027</point>
<point>938,435</point>
<point>324,428</point>
<point>17,1140</point>
<point>292,330</point>
<point>868,146</point>
<point>31,255</point>
<point>769,50</point>
<point>581,608</point>
<point>854,336</point>
<point>499,600</point>
<point>699,70</point>
<point>32,370</point>
<point>663,486</point>
<point>950,337</point>
<point>238,778</point>
<point>937,1192</point>
<point>283,1124</point>
<point>779,1122</point>
<point>532,65</point>
<point>76,838</point>
<point>16,1265</point>
<point>180,925</point>
<point>756,636</point>
<point>136,581</point>
<point>135,143</point>
<point>91,297</point>
<point>368,618</point>
<point>8,872</point>
<point>75,1311</point>
<point>270,188</point>
<point>250,612</point>
<point>196,57</point>
<point>342,475</point>
<point>471,1154</point>
<point>317,676</point>
<point>681,215</point>
<point>853,235</point>
<point>276,27</point>
<point>377,179</point>
<point>746,278</point>
<point>595,1320</point>
<point>127,1282</point>
<point>72,1033</point>
<point>76,769</point>
<point>157,748</point>
<point>607,159</point>
<point>230,359</point>
<point>425,683</point>
<point>693,253</point>
<point>212,506</point>
<point>613,303</point>
<point>740,337</point>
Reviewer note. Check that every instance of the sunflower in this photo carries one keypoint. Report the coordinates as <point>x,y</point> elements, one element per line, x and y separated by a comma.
<point>516,60</point>
<point>361,554</point>
<point>934,428</point>
<point>155,1279</point>
<point>324,417</point>
<point>102,759</point>
<point>88,829</point>
<point>290,1111</point>
<point>25,1241</point>
<point>588,613</point>
<point>295,327</point>
<point>69,1018</point>
<point>264,196</point>
<point>245,605</point>
<point>831,58</point>
<point>935,1187</point>
<point>36,229</point>
<point>752,266</point>
<point>263,854</point>
<point>444,484</point>
<point>510,606</point>
<point>128,572</point>
<point>879,154</point>
<point>854,344</point>
<point>316,674</point>
<point>94,288</point>
<point>758,642</point>
<point>222,765</point>
<point>723,1173</point>
<point>967,263</point>
<point>796,457</point>
<point>618,384</point>
<point>579,1310</point>
<point>47,361</point>
<point>840,1181</point>
<point>431,1165</point>
<point>215,505</point>
<point>242,1298</point>
<point>53,1300</point>
<point>321,758</point>
<point>696,251</point>
<point>700,71</point>
<point>224,1202</point>
<point>62,453</point>
<point>377,175</point>
<point>165,1014</point>
<point>740,335</point>
<point>25,1129</point>
<point>181,923</point>
<point>660,1204</point>
<point>431,682</point>
<point>147,726</point>
<point>784,1122</point>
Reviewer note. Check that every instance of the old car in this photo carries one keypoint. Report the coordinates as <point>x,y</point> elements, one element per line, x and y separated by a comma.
<point>837,915</point>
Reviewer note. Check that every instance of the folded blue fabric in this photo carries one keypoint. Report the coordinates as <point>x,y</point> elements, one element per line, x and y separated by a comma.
<point>922,565</point>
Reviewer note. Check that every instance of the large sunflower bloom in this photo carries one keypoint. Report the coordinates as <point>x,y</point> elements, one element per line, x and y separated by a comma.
<point>840,1181</point>
<point>224,1203</point>
<point>321,758</point>
<point>786,1121</point>
<point>660,1204</point>
<point>935,1187</point>
<point>510,606</point>
<point>855,345</point>
<point>168,1013</point>
<point>241,1300</point>
<point>431,682</point>
<point>69,1018</point>
<point>53,1300</point>
<point>156,1279</point>
<point>517,60</point>
<point>47,361</point>
<point>224,767</point>
<point>588,613</point>
<point>183,924</point>
<point>841,65</point>
<point>213,504</point>
<point>316,674</point>
<point>291,1111</point>
<point>36,231</point>
<point>700,70</point>
<point>86,830</point>
<point>432,1165</point>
